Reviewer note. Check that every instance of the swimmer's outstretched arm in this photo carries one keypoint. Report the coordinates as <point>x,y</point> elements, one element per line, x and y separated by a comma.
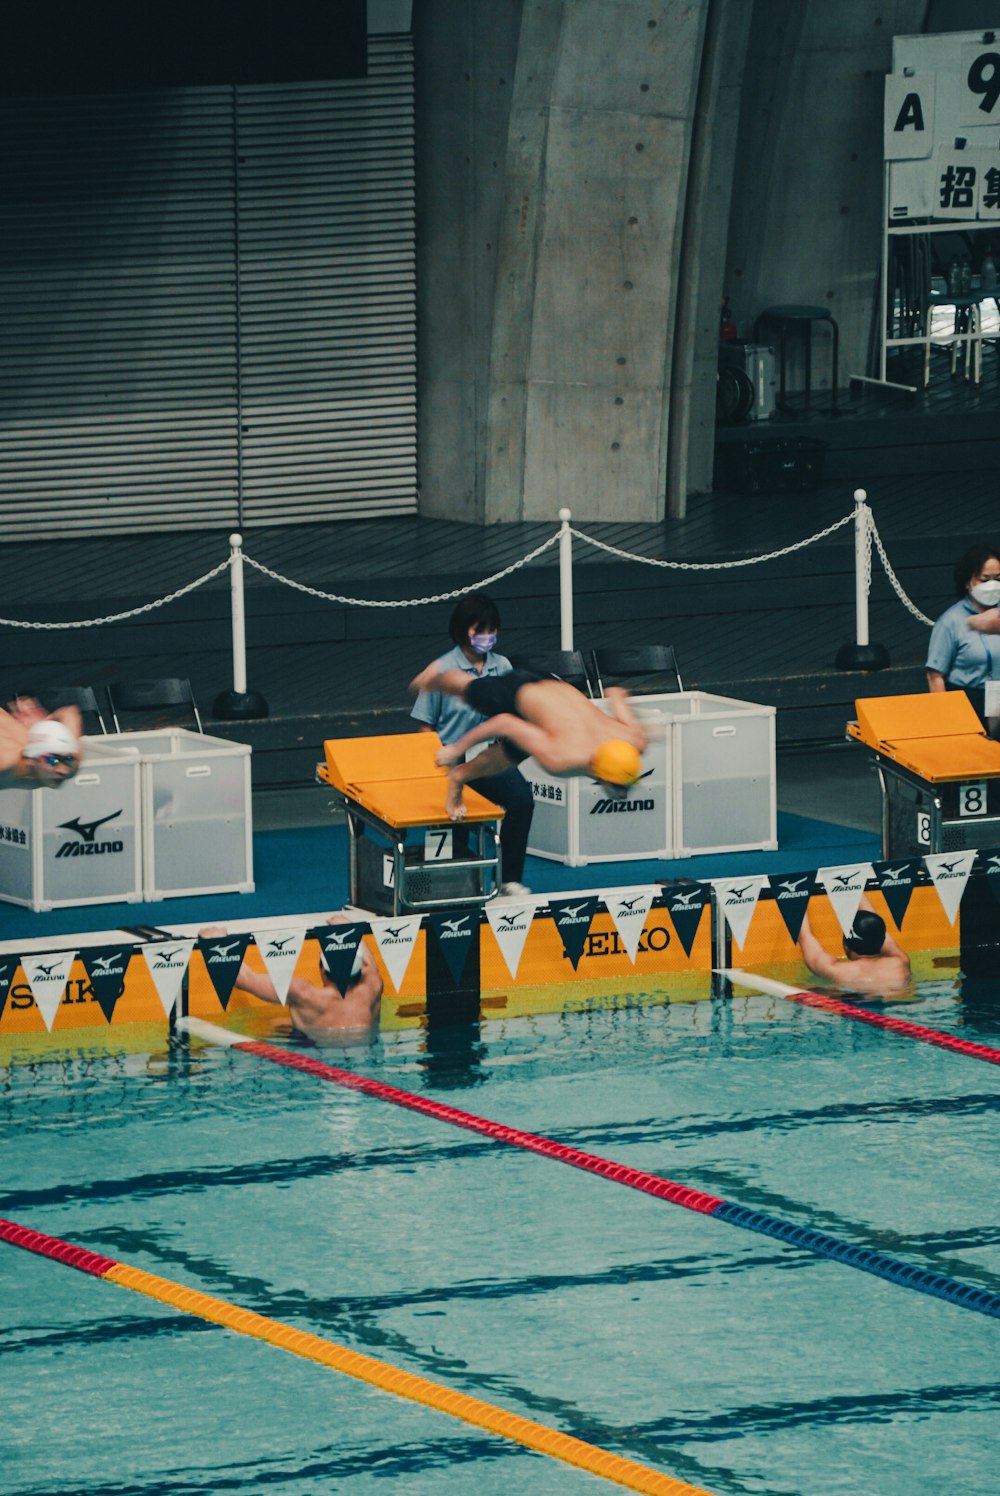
<point>985,623</point>
<point>433,678</point>
<point>819,961</point>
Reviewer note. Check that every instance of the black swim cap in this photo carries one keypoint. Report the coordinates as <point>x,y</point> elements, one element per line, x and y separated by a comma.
<point>867,935</point>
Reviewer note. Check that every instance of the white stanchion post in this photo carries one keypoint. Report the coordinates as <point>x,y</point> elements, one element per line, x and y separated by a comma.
<point>862,565</point>
<point>239,615</point>
<point>565,581</point>
<point>861,654</point>
<point>239,704</point>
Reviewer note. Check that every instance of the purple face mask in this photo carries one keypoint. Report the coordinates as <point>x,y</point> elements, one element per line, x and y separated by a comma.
<point>482,643</point>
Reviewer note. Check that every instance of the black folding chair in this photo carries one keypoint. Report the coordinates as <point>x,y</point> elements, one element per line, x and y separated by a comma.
<point>170,698</point>
<point>82,697</point>
<point>654,664</point>
<point>569,665</point>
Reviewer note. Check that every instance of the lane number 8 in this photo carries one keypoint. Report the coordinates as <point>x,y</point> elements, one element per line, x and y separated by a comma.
<point>972,798</point>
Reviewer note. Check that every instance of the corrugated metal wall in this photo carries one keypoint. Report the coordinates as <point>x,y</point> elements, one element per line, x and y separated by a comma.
<point>209,305</point>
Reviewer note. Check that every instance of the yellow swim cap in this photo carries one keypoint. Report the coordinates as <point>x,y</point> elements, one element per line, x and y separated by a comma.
<point>617,762</point>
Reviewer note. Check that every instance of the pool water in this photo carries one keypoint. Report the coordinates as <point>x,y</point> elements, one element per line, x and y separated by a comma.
<point>724,1358</point>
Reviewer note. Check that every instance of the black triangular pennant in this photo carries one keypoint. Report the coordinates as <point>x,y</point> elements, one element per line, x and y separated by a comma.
<point>339,947</point>
<point>792,892</point>
<point>572,919</point>
<point>106,966</point>
<point>896,880</point>
<point>454,933</point>
<point>223,955</point>
<point>989,863</point>
<point>8,967</point>
<point>685,905</point>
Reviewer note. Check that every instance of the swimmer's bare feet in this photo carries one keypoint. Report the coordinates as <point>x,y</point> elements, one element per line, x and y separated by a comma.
<point>447,758</point>
<point>453,803</point>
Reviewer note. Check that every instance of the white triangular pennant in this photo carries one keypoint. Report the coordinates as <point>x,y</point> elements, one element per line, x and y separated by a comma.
<point>510,922</point>
<point>168,961</point>
<point>844,887</point>
<point>950,873</point>
<point>279,951</point>
<point>738,899</point>
<point>47,977</point>
<point>395,939</point>
<point>628,908</point>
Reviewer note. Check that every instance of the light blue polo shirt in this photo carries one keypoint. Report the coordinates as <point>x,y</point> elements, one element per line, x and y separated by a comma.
<point>963,656</point>
<point>450,717</point>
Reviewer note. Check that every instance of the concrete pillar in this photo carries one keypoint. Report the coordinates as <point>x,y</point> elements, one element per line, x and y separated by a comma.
<point>582,339</point>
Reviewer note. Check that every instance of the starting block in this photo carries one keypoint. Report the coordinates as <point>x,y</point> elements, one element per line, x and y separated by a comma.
<point>939,772</point>
<point>404,853</point>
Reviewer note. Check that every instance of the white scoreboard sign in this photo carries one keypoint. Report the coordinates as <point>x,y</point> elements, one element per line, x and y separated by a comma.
<point>942,127</point>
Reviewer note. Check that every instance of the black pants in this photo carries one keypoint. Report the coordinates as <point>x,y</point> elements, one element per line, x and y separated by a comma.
<point>513,792</point>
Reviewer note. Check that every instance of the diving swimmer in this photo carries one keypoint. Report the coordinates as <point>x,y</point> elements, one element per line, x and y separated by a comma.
<point>547,720</point>
<point>36,749</point>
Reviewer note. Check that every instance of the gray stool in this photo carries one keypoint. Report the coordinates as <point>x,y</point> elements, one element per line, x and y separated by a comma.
<point>788,318</point>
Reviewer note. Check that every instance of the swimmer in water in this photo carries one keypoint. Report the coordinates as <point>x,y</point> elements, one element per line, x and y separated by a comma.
<point>547,720</point>
<point>36,749</point>
<point>322,1013</point>
<point>872,960</point>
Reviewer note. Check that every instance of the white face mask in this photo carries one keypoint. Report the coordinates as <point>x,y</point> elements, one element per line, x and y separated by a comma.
<point>986,593</point>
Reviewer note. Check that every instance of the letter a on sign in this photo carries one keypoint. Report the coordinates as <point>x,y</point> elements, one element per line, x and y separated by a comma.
<point>909,117</point>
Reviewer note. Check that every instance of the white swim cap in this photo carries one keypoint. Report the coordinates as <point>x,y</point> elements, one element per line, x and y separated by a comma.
<point>50,737</point>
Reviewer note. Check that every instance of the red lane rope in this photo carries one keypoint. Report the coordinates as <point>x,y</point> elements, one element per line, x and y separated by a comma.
<point>51,1246</point>
<point>895,1025</point>
<point>638,1179</point>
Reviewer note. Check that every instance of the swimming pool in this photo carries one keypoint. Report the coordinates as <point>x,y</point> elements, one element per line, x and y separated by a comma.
<point>732,1361</point>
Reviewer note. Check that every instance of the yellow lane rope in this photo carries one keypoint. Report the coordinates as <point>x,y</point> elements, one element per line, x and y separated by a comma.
<point>590,1457</point>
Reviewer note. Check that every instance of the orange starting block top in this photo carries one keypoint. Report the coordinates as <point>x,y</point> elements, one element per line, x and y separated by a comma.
<point>395,778</point>
<point>935,735</point>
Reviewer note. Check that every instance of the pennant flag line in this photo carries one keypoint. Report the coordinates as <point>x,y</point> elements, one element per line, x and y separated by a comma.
<point>340,948</point>
<point>792,894</point>
<point>950,873</point>
<point>167,962</point>
<point>686,905</point>
<point>453,930</point>
<point>47,977</point>
<point>395,939</point>
<point>897,880</point>
<point>573,918</point>
<point>106,967</point>
<point>628,908</point>
<point>223,956</point>
<point>510,924</point>
<point>738,899</point>
<point>279,951</point>
<point>844,886</point>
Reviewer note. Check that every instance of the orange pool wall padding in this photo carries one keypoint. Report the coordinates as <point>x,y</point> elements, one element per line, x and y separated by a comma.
<point>405,1384</point>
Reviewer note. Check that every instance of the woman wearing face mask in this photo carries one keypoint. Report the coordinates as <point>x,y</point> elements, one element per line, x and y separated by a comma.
<point>475,623</point>
<point>964,652</point>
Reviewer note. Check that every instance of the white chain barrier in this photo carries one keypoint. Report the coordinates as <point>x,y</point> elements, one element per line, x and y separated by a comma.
<point>92,623</point>
<point>785,550</point>
<point>406,602</point>
<point>897,586</point>
<point>866,533</point>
